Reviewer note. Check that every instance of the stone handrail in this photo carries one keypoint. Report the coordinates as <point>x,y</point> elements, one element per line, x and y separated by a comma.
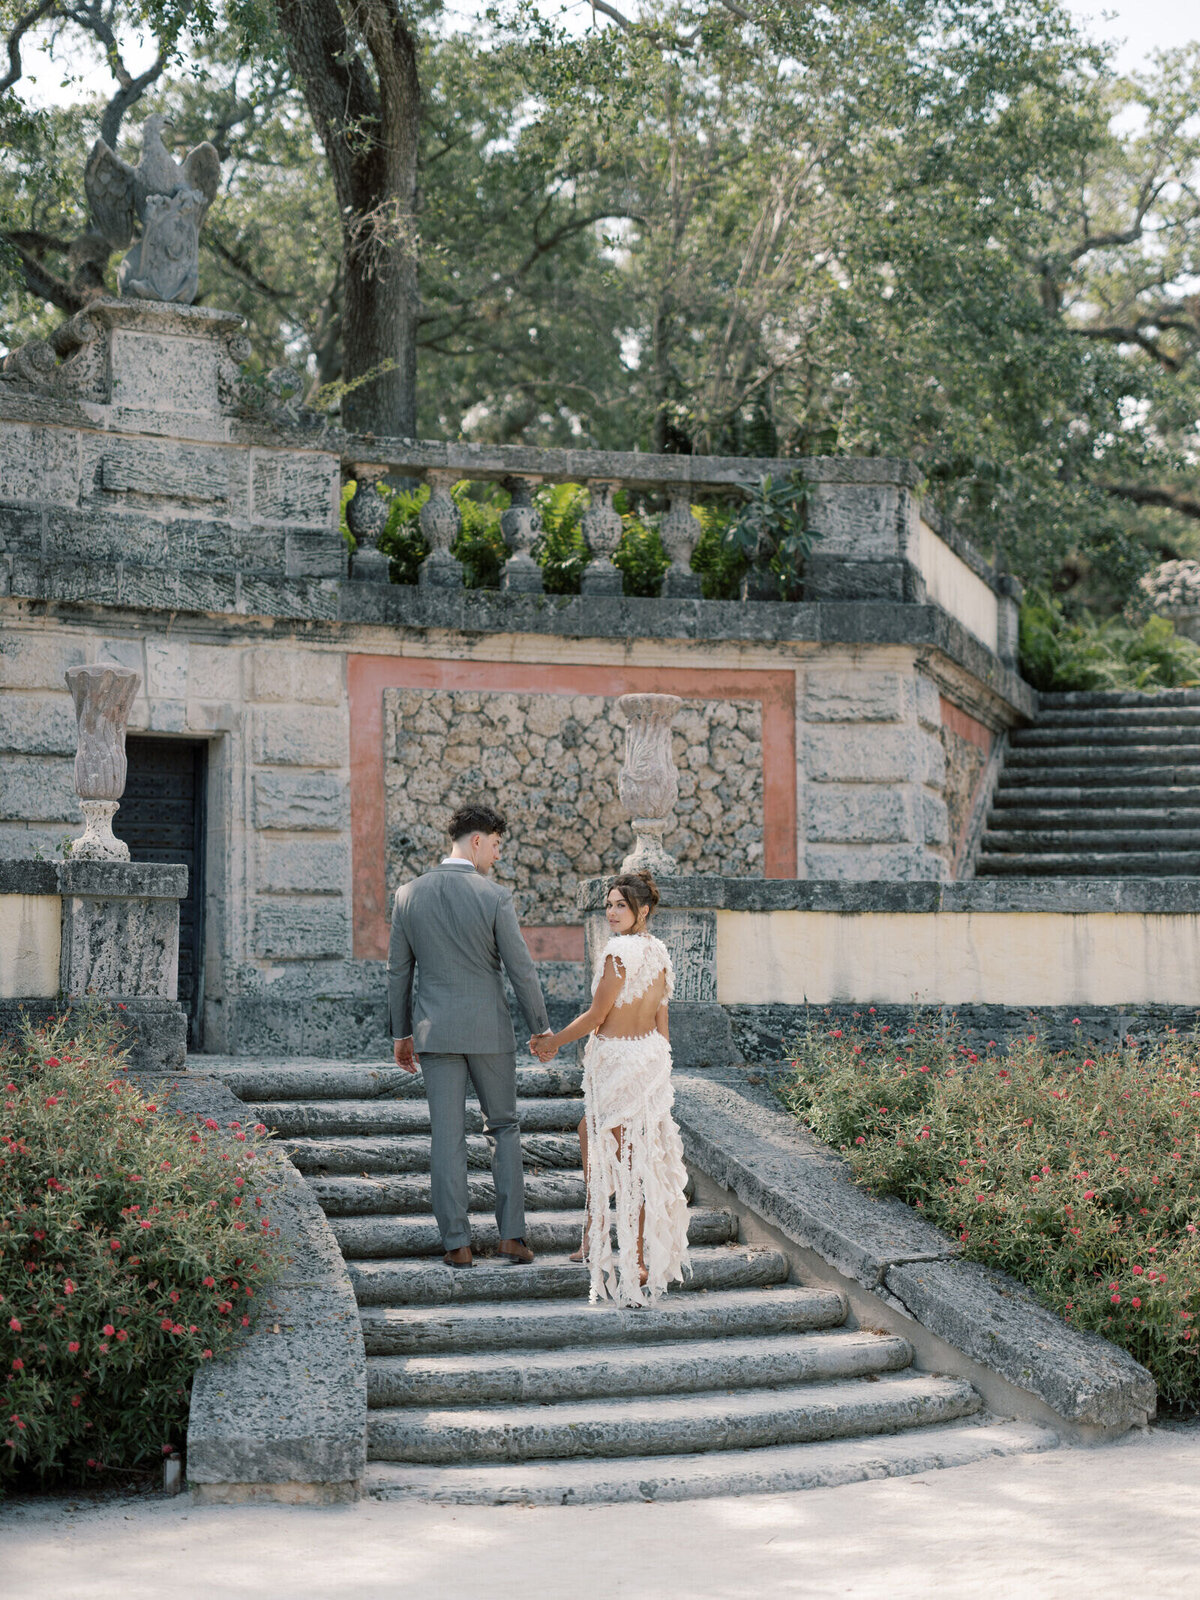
<point>876,541</point>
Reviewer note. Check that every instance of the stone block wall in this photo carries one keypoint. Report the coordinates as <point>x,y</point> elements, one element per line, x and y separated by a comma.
<point>872,772</point>
<point>551,762</point>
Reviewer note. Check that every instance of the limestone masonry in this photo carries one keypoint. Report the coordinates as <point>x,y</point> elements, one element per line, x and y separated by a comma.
<point>151,518</point>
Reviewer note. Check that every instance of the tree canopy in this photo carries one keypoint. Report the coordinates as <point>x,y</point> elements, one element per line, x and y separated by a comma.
<point>943,229</point>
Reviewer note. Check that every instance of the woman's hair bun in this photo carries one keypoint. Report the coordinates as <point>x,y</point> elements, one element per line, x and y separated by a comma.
<point>638,888</point>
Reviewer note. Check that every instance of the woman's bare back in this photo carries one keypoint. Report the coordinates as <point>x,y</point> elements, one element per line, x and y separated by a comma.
<point>637,1017</point>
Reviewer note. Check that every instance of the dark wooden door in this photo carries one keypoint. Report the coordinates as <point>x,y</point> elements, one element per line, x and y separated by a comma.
<point>162,819</point>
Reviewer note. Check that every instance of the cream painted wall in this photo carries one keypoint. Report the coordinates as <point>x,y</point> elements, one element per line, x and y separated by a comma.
<point>957,589</point>
<point>30,931</point>
<point>957,957</point>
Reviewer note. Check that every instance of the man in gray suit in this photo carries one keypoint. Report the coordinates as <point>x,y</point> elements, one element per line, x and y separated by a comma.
<point>457,928</point>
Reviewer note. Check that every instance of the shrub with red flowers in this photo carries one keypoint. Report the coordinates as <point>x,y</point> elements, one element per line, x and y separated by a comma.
<point>1076,1172</point>
<point>133,1245</point>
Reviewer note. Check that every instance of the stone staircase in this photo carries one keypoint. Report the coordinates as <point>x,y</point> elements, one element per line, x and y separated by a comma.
<point>501,1384</point>
<point>1103,785</point>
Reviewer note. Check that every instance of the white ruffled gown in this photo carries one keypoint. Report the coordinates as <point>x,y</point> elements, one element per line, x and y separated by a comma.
<point>627,1085</point>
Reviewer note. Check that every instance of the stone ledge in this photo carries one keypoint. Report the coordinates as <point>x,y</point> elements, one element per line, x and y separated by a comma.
<point>1155,896</point>
<point>154,1029</point>
<point>285,1416</point>
<point>29,877</point>
<point>736,1135</point>
<point>123,880</point>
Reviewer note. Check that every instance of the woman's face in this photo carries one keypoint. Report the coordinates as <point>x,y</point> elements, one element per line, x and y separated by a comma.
<point>621,916</point>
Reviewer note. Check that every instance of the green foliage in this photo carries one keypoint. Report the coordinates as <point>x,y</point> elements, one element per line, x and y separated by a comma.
<point>640,556</point>
<point>720,565</point>
<point>562,551</point>
<point>1077,1173</point>
<point>1084,652</point>
<point>769,529</point>
<point>132,1246</point>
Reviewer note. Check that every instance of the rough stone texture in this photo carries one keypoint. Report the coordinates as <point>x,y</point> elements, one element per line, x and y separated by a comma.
<point>38,789</point>
<point>297,930</point>
<point>164,471</point>
<point>765,1034</point>
<point>741,1139</point>
<point>304,866</point>
<point>551,762</point>
<point>119,946</point>
<point>37,724</point>
<point>300,736</point>
<point>965,762</point>
<point>299,800</point>
<point>287,1407</point>
<point>992,1319</point>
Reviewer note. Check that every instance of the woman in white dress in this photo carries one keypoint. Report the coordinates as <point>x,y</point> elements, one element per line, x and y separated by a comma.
<point>630,1143</point>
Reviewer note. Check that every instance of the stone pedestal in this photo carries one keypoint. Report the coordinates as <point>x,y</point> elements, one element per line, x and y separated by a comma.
<point>114,927</point>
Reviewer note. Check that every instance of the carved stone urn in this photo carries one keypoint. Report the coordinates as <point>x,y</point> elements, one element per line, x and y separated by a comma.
<point>102,696</point>
<point>648,783</point>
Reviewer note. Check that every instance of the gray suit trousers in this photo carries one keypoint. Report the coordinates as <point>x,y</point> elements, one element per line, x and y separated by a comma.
<point>494,1078</point>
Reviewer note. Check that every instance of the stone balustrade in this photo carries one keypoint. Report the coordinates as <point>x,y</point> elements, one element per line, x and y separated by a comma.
<point>876,541</point>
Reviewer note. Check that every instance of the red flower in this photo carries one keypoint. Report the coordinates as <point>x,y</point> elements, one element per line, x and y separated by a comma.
<point>75,1400</point>
<point>73,1347</point>
<point>53,1061</point>
<point>206,1355</point>
<point>108,1329</point>
<point>210,1283</point>
<point>860,1139</point>
<point>14,1324</point>
<point>1135,1301</point>
<point>121,1336</point>
<point>18,1365</point>
<point>1116,1299</point>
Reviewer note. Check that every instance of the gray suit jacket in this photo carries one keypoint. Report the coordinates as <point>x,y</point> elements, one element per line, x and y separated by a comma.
<point>457,927</point>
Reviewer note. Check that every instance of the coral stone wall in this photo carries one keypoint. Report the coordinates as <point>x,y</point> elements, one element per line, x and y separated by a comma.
<point>551,763</point>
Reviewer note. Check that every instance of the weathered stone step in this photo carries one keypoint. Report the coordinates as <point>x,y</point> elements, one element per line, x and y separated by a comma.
<point>1030,775</point>
<point>1081,699</point>
<point>1123,819</point>
<point>1089,864</point>
<point>409,1194</point>
<point>373,1238</point>
<point>1103,735</point>
<point>667,1424</point>
<point>1110,841</point>
<point>396,1153</point>
<point>541,1376</point>
<point>431,1282</point>
<point>328,1118</point>
<point>1183,758</point>
<point>770,1469</point>
<point>286,1080</point>
<point>1171,800</point>
<point>548,1324</point>
<point>1140,716</point>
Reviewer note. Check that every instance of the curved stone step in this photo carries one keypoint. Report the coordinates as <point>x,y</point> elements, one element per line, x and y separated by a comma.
<point>1089,864</point>
<point>1180,757</point>
<point>771,1469</point>
<point>1107,841</point>
<point>328,1118</point>
<point>1108,699</point>
<point>400,1282</point>
<point>1173,798</point>
<point>743,1419</point>
<point>377,1237</point>
<point>549,1324</point>
<point>260,1080</point>
<point>1163,819</point>
<point>1147,714</point>
<point>757,1360</point>
<point>1099,775</point>
<point>409,1194</point>
<point>1140,735</point>
<point>399,1153</point>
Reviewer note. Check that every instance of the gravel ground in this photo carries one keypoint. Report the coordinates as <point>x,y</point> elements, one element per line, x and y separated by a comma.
<point>1115,1521</point>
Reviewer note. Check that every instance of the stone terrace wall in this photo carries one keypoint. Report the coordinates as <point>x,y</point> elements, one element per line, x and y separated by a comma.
<point>551,762</point>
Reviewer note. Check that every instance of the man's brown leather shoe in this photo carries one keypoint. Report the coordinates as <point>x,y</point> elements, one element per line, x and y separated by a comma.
<point>516,1252</point>
<point>459,1258</point>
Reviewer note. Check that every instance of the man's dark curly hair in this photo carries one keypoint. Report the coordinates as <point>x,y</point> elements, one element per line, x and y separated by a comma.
<point>476,817</point>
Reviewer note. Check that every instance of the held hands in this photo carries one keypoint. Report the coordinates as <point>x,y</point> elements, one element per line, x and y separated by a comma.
<point>542,1046</point>
<point>406,1057</point>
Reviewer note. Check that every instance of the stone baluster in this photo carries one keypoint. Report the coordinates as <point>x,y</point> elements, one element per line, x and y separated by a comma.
<point>648,782</point>
<point>602,528</point>
<point>102,696</point>
<point>440,523</point>
<point>521,526</point>
<point>679,531</point>
<point>366,517</point>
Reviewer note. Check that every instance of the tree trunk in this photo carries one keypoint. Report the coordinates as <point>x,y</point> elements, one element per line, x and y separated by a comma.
<point>369,125</point>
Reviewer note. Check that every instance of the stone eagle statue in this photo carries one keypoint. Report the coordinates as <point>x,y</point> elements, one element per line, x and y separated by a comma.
<point>167,199</point>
